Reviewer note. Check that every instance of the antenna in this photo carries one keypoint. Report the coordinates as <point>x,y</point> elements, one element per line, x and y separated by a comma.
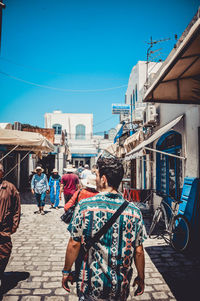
<point>150,52</point>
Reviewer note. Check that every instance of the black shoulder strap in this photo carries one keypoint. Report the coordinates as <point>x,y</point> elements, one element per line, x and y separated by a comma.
<point>107,225</point>
<point>77,197</point>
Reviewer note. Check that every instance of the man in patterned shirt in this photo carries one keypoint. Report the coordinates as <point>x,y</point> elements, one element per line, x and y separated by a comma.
<point>106,271</point>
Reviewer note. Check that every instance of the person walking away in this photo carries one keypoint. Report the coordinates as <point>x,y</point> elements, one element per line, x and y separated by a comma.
<point>93,170</point>
<point>39,187</point>
<point>54,185</point>
<point>10,209</point>
<point>105,273</point>
<point>80,169</point>
<point>69,183</point>
<point>86,172</point>
<point>88,190</point>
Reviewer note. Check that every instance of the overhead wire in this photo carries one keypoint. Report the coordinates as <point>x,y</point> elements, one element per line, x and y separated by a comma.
<point>46,71</point>
<point>103,121</point>
<point>60,89</point>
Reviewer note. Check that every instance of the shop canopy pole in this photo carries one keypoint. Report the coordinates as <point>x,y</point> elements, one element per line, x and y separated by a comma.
<point>164,153</point>
<point>9,152</point>
<point>17,164</point>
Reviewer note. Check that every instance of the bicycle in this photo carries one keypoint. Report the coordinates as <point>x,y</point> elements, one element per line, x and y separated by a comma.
<point>175,229</point>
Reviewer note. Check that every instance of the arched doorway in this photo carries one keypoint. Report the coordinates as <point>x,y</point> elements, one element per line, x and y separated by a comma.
<point>168,168</point>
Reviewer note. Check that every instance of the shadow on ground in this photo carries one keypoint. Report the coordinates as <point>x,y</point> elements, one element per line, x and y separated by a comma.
<point>180,271</point>
<point>10,281</point>
<point>27,198</point>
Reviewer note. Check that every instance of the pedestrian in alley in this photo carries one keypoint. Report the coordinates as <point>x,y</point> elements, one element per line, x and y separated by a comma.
<point>88,190</point>
<point>93,170</point>
<point>54,185</point>
<point>40,187</point>
<point>9,219</point>
<point>86,172</point>
<point>105,272</point>
<point>69,183</point>
<point>80,169</point>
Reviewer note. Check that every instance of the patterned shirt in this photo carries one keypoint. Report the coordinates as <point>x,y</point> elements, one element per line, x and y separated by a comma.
<point>106,272</point>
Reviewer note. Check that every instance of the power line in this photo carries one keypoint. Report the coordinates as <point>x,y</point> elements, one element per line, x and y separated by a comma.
<point>46,71</point>
<point>103,121</point>
<point>60,89</point>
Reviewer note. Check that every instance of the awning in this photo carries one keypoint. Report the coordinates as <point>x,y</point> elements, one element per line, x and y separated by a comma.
<point>119,133</point>
<point>179,78</point>
<point>82,151</point>
<point>112,149</point>
<point>132,141</point>
<point>83,155</point>
<point>115,150</point>
<point>138,151</point>
<point>25,141</point>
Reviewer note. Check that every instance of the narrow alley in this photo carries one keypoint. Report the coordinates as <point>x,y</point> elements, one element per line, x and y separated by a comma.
<point>34,269</point>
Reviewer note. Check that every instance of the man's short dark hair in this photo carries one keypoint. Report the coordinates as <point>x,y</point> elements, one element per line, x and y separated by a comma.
<point>112,168</point>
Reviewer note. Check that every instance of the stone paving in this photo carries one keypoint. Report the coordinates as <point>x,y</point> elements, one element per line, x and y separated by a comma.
<point>34,269</point>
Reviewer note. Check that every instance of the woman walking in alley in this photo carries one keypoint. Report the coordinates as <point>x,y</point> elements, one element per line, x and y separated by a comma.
<point>54,184</point>
<point>39,187</point>
<point>88,190</point>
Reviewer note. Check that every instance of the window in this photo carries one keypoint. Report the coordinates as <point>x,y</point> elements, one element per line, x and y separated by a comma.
<point>80,132</point>
<point>133,100</point>
<point>57,128</point>
<point>136,94</point>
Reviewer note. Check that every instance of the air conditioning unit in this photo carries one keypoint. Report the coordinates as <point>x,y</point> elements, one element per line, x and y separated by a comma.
<point>149,115</point>
<point>138,115</point>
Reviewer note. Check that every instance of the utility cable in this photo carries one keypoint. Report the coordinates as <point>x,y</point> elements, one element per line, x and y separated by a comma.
<point>45,71</point>
<point>60,89</point>
<point>103,121</point>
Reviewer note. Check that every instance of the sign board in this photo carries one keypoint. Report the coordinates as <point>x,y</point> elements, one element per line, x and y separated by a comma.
<point>120,109</point>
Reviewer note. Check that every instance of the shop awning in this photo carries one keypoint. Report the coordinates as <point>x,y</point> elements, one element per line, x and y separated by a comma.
<point>82,151</point>
<point>138,151</point>
<point>134,140</point>
<point>25,141</point>
<point>119,133</point>
<point>112,149</point>
<point>179,78</point>
<point>115,150</point>
<point>83,155</point>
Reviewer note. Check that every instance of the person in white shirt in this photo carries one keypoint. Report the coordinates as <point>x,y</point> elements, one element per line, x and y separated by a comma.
<point>86,172</point>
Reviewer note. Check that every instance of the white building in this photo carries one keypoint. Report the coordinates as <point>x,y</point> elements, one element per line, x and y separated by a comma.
<point>171,150</point>
<point>78,129</point>
<point>136,88</point>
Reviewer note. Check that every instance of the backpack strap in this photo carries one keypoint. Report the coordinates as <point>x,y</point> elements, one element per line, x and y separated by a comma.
<point>77,197</point>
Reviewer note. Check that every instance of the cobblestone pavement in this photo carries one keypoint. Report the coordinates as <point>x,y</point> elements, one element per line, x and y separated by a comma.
<point>34,269</point>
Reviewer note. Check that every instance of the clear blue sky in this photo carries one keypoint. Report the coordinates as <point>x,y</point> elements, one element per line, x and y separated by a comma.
<point>79,45</point>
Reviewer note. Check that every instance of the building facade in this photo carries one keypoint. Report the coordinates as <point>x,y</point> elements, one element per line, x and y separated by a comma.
<point>78,129</point>
<point>168,151</point>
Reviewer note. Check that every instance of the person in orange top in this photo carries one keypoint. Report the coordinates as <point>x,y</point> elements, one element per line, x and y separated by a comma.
<point>88,190</point>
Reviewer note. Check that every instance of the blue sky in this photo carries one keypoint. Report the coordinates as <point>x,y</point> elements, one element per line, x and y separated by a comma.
<point>79,45</point>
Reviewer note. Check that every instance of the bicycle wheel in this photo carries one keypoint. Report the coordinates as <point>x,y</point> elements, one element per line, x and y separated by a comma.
<point>156,218</point>
<point>180,233</point>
